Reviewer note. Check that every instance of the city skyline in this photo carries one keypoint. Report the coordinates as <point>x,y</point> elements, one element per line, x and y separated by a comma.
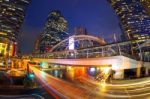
<point>96,16</point>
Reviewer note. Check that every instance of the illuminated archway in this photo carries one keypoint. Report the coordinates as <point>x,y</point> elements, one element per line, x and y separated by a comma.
<point>78,42</point>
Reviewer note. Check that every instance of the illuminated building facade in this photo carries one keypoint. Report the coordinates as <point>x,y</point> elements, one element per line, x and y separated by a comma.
<point>12,13</point>
<point>54,31</point>
<point>134,19</point>
<point>146,5</point>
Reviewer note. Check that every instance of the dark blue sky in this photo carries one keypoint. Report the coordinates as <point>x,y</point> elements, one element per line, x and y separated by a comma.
<point>96,16</point>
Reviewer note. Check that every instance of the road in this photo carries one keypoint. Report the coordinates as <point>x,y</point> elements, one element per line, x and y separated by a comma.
<point>136,90</point>
<point>21,97</point>
<point>88,89</point>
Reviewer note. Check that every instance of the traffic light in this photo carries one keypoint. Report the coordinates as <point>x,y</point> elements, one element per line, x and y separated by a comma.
<point>31,75</point>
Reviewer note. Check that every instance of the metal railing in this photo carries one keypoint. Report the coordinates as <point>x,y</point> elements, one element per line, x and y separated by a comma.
<point>104,51</point>
<point>124,49</point>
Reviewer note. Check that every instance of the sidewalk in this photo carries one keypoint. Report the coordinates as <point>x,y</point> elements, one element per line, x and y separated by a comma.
<point>129,81</point>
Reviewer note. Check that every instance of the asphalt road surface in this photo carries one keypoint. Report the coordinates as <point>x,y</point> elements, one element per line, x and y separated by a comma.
<point>88,89</point>
<point>21,97</point>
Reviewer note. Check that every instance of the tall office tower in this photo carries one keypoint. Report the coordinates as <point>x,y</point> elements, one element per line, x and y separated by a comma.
<point>146,5</point>
<point>37,44</point>
<point>54,31</point>
<point>12,13</point>
<point>80,31</point>
<point>134,19</point>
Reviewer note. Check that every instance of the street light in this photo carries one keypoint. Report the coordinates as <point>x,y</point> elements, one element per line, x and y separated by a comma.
<point>140,51</point>
<point>117,44</point>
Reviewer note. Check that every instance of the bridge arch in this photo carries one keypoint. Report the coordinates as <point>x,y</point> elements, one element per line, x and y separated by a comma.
<point>82,41</point>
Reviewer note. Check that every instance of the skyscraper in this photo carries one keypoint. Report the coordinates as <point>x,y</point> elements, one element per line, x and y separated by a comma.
<point>12,13</point>
<point>54,31</point>
<point>146,4</point>
<point>37,44</point>
<point>80,31</point>
<point>134,19</point>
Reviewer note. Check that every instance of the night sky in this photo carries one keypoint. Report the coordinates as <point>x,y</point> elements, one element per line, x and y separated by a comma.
<point>96,16</point>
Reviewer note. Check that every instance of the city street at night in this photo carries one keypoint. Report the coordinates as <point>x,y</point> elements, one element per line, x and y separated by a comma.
<point>75,49</point>
<point>86,89</point>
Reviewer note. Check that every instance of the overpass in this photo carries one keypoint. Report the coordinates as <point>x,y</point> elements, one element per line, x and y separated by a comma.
<point>114,56</point>
<point>117,63</point>
<point>92,51</point>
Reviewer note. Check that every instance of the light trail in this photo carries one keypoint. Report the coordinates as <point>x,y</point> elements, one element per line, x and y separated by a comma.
<point>124,96</point>
<point>139,84</point>
<point>88,88</point>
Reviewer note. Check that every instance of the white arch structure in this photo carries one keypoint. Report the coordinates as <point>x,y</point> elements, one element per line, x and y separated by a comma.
<point>78,38</point>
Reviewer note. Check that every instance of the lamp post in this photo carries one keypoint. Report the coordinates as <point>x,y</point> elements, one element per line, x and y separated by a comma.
<point>140,51</point>
<point>117,44</point>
